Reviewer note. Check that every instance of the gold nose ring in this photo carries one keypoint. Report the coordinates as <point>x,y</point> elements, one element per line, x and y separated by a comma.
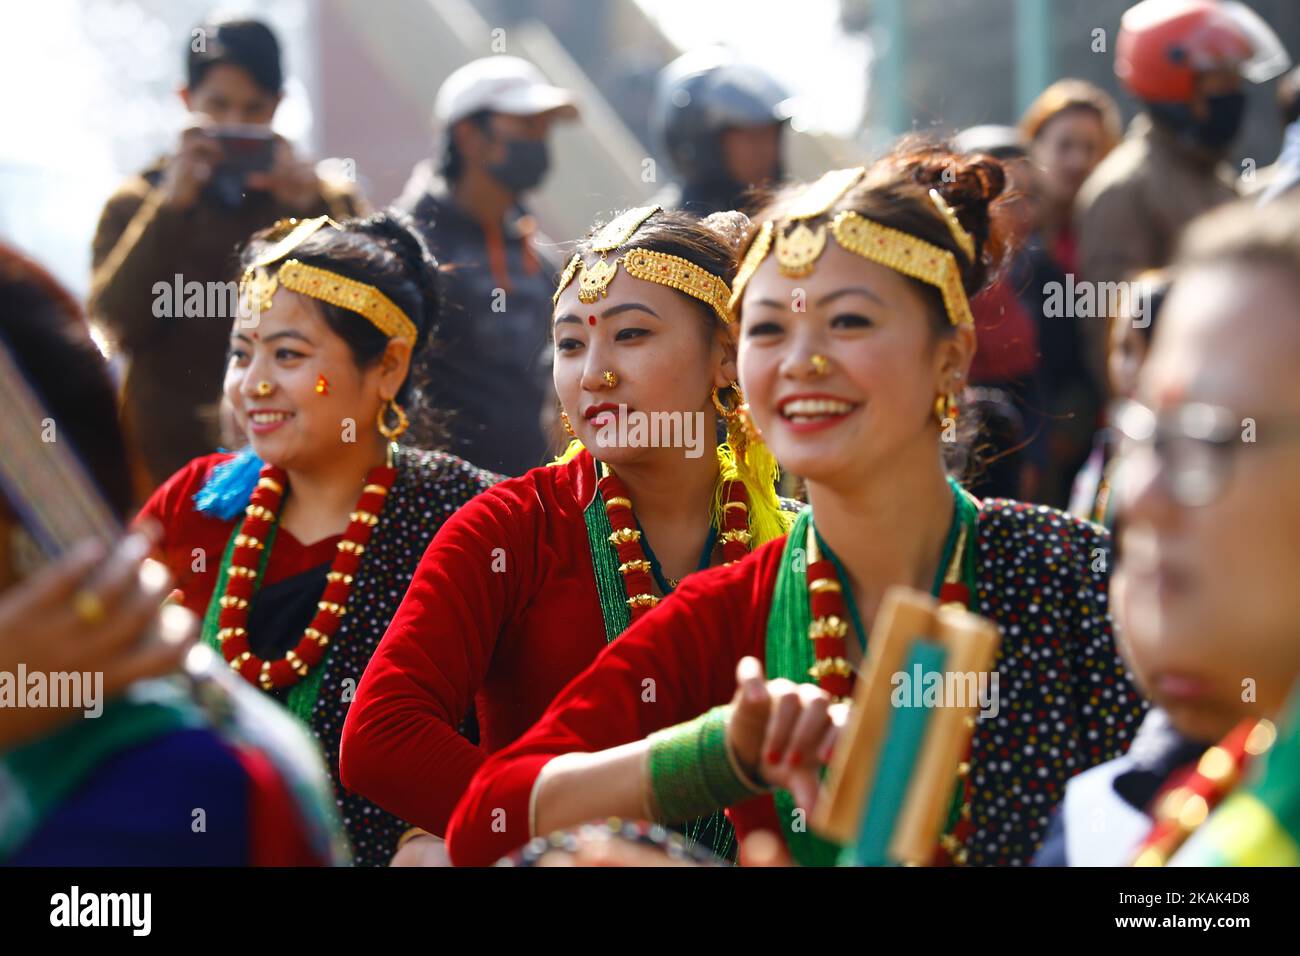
<point>263,389</point>
<point>610,378</point>
<point>821,364</point>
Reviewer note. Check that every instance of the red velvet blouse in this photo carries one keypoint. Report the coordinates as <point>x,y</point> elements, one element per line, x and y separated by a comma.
<point>503,609</point>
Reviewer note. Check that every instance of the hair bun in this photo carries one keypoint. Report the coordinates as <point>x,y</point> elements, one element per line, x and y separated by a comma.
<point>730,224</point>
<point>969,184</point>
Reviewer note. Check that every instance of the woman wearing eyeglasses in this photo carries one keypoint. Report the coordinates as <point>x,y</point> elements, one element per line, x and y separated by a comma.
<point>297,551</point>
<point>1209,515</point>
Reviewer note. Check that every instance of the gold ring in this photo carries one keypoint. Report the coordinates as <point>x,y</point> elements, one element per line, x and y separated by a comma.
<point>88,607</point>
<point>263,389</point>
<point>820,363</point>
<point>611,380</point>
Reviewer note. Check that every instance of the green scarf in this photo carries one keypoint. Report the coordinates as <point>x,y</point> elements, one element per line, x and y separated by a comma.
<point>790,654</point>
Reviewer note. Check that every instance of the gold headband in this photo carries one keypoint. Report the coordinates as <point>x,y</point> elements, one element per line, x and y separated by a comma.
<point>647,264</point>
<point>259,284</point>
<point>798,249</point>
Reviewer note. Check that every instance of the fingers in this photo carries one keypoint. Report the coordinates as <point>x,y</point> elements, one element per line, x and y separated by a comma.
<point>765,849</point>
<point>809,729</point>
<point>161,653</point>
<point>131,616</point>
<point>780,721</point>
<point>749,681</point>
<point>55,584</point>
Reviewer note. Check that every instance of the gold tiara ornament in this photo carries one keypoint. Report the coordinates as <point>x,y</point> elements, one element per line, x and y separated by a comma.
<point>260,282</point>
<point>798,245</point>
<point>647,264</point>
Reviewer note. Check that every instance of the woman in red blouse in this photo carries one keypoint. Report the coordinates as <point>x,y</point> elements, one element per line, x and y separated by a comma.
<point>855,338</point>
<point>296,551</point>
<point>522,588</point>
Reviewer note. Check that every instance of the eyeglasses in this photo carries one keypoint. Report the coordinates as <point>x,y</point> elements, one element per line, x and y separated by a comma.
<point>1194,444</point>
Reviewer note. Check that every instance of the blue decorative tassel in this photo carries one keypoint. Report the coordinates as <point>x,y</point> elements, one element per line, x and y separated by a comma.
<point>226,492</point>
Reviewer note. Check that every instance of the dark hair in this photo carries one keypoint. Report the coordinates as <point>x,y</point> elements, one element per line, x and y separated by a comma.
<point>895,192</point>
<point>386,251</point>
<point>452,164</point>
<point>247,44</point>
<point>47,335</point>
<point>711,243</point>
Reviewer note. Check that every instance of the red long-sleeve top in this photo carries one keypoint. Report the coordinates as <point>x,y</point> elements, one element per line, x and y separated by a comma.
<point>503,610</point>
<point>667,668</point>
<point>1066,701</point>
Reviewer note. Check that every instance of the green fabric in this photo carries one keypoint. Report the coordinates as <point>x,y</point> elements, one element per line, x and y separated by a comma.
<point>36,778</point>
<point>301,699</point>
<point>604,561</point>
<point>893,774</point>
<point>790,654</point>
<point>714,830</point>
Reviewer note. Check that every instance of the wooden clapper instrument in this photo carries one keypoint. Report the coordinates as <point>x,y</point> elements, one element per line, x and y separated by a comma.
<point>890,781</point>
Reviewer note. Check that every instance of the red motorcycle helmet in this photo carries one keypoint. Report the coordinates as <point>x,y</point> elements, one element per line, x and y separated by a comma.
<point>1163,44</point>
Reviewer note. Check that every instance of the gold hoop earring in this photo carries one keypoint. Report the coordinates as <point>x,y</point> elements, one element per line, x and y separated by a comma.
<point>568,425</point>
<point>728,414</point>
<point>403,423</point>
<point>611,379</point>
<point>746,423</point>
<point>263,389</point>
<point>945,408</point>
<point>821,365</point>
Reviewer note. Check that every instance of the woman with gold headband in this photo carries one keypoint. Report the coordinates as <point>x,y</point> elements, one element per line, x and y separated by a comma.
<point>527,584</point>
<point>855,339</point>
<point>296,551</point>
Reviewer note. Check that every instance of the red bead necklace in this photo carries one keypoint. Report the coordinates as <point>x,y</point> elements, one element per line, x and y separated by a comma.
<point>626,537</point>
<point>243,578</point>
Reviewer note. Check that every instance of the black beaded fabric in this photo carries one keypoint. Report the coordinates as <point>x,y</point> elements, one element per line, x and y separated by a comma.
<point>428,488</point>
<point>1066,699</point>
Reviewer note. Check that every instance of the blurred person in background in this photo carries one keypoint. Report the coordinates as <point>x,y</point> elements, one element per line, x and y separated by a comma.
<point>1070,128</point>
<point>721,125</point>
<point>1185,61</point>
<point>1208,494</point>
<point>121,789</point>
<point>185,216</point>
<point>487,371</point>
<point>1284,175</point>
<point>1129,342</point>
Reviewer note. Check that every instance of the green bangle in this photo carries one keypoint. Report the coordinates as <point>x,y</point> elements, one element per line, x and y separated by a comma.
<point>692,772</point>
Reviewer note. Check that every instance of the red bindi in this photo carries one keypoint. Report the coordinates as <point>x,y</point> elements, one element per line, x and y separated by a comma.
<point>591,320</point>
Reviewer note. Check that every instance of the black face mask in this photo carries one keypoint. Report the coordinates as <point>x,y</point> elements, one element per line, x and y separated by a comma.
<point>1216,131</point>
<point>525,165</point>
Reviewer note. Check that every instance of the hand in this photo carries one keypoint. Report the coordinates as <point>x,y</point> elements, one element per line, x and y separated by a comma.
<point>607,849</point>
<point>191,168</point>
<point>290,180</point>
<point>423,850</point>
<point>40,627</point>
<point>783,732</point>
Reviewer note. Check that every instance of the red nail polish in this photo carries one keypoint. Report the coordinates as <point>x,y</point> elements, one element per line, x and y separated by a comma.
<point>774,756</point>
<point>795,759</point>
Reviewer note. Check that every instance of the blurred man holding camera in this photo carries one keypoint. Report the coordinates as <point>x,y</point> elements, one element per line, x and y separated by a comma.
<point>186,216</point>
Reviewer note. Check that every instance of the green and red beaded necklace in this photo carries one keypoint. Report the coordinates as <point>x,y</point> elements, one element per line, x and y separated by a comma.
<point>243,565</point>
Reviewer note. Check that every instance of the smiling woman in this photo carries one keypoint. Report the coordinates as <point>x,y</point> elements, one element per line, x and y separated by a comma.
<point>297,549</point>
<point>855,336</point>
<point>522,588</point>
